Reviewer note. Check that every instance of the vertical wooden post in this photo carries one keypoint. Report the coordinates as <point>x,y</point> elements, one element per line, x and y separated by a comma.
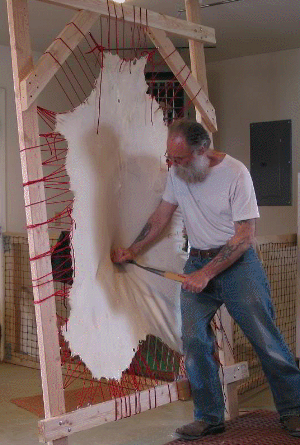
<point>36,216</point>
<point>227,359</point>
<point>198,68</point>
<point>197,56</point>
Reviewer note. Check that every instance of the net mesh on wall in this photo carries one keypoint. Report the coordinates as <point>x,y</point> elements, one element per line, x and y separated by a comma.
<point>280,263</point>
<point>154,362</point>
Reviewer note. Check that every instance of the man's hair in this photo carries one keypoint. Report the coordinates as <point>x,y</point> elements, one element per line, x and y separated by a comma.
<point>195,135</point>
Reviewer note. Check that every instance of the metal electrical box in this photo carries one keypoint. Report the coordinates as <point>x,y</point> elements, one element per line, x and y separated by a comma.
<point>271,162</point>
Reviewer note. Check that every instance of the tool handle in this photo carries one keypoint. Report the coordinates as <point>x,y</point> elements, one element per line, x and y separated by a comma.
<point>174,276</point>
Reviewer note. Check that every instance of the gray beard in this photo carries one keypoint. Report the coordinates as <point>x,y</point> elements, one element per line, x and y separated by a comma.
<point>197,171</point>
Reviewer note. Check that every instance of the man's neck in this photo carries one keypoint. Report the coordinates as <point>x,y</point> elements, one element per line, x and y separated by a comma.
<point>215,157</point>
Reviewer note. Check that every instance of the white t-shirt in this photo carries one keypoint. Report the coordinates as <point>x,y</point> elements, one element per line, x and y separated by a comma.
<point>209,208</point>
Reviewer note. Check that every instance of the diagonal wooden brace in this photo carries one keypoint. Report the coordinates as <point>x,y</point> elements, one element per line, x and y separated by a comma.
<point>184,76</point>
<point>34,83</point>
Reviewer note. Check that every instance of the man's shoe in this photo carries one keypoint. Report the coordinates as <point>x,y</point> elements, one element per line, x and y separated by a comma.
<point>292,424</point>
<point>197,429</point>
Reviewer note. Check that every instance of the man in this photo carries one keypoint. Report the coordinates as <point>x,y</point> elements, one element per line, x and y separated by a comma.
<point>216,196</point>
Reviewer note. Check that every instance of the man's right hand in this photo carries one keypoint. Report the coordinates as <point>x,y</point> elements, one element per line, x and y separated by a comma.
<point>122,255</point>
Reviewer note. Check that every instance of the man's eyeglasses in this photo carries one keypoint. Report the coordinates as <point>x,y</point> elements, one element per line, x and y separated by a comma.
<point>175,159</point>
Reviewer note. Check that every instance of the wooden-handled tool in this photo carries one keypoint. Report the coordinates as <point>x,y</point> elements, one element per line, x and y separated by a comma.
<point>163,273</point>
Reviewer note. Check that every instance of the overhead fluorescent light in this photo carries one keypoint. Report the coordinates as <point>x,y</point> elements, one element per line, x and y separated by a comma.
<point>223,2</point>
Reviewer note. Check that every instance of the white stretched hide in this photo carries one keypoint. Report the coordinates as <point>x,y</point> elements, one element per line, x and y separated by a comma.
<point>118,177</point>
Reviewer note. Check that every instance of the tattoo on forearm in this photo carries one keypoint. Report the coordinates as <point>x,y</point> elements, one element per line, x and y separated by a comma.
<point>234,248</point>
<point>143,233</point>
<point>227,251</point>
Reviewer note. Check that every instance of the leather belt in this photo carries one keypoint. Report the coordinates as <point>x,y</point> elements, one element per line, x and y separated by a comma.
<point>210,253</point>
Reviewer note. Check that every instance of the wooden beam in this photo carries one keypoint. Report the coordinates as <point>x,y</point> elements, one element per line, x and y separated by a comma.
<point>34,83</point>
<point>184,76</point>
<point>197,56</point>
<point>95,415</point>
<point>290,238</point>
<point>132,14</point>
<point>36,215</point>
<point>225,341</point>
<point>236,372</point>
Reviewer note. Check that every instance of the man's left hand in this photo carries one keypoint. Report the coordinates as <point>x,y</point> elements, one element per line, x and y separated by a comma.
<point>196,281</point>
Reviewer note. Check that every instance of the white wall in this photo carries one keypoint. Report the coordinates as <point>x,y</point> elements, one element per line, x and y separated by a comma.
<point>2,160</point>
<point>258,88</point>
<point>15,213</point>
<point>52,99</point>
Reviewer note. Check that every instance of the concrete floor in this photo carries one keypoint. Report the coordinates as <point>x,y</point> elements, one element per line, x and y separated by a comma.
<point>154,427</point>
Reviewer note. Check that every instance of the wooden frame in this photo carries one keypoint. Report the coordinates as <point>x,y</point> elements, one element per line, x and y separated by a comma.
<point>38,237</point>
<point>156,24</point>
<point>29,81</point>
<point>146,18</point>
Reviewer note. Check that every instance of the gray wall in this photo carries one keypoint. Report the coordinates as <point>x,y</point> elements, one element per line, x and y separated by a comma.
<point>258,88</point>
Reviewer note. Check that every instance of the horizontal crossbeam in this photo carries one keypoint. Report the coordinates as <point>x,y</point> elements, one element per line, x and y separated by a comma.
<point>95,415</point>
<point>47,66</point>
<point>133,14</point>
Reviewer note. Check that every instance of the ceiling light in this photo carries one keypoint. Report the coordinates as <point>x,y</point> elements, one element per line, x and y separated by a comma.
<point>222,2</point>
<point>119,1</point>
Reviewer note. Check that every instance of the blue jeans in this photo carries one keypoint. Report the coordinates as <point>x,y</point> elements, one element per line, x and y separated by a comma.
<point>245,291</point>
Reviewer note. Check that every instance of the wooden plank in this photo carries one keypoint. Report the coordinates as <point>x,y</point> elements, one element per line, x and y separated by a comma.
<point>184,76</point>
<point>281,239</point>
<point>95,415</point>
<point>136,15</point>
<point>36,215</point>
<point>197,56</point>
<point>225,341</point>
<point>34,83</point>
<point>235,372</point>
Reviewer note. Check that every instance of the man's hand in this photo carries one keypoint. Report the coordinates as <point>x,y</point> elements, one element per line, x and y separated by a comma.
<point>122,255</point>
<point>196,281</point>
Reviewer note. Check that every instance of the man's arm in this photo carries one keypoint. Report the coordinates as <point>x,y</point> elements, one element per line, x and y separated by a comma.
<point>153,228</point>
<point>243,238</point>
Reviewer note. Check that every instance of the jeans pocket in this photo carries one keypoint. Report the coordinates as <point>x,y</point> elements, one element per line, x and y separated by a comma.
<point>191,265</point>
